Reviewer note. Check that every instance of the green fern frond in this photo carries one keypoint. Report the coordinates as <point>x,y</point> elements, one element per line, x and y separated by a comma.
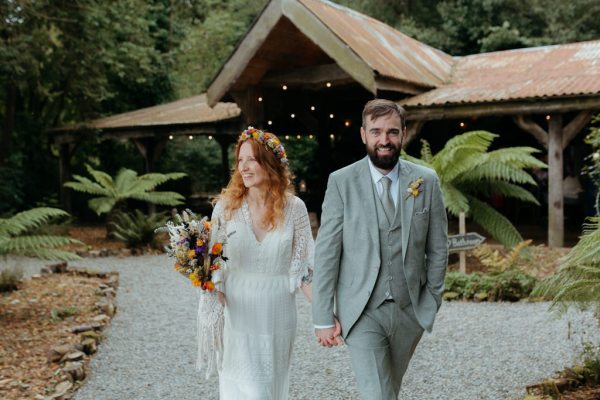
<point>85,185</point>
<point>102,205</point>
<point>405,156</point>
<point>30,219</point>
<point>505,189</point>
<point>101,177</point>
<point>520,157</point>
<point>162,198</point>
<point>125,179</point>
<point>426,154</point>
<point>496,224</point>
<point>20,243</point>
<point>51,254</point>
<point>479,139</point>
<point>454,199</point>
<point>497,171</point>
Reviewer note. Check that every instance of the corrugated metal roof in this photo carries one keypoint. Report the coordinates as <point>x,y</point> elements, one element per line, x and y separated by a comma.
<point>192,110</point>
<point>538,72</point>
<point>387,51</point>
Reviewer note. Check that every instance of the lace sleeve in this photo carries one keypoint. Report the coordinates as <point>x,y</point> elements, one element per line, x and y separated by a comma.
<point>303,247</point>
<point>218,229</point>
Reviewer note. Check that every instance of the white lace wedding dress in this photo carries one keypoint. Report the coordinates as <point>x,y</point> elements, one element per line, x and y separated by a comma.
<point>260,283</point>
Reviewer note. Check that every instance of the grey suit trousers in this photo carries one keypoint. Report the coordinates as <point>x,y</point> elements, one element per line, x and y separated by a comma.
<point>381,344</point>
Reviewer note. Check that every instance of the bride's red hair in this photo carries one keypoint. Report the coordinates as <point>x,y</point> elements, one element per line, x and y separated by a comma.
<point>279,185</point>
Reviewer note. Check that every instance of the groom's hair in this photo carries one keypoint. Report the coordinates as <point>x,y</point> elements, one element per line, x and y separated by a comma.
<point>380,107</point>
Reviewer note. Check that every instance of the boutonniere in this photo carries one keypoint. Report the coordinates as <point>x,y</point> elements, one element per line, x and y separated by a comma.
<point>415,188</point>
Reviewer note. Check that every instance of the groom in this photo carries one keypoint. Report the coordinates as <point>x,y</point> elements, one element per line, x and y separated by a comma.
<point>381,255</point>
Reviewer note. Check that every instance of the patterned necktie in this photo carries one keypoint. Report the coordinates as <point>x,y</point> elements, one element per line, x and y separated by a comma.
<point>386,199</point>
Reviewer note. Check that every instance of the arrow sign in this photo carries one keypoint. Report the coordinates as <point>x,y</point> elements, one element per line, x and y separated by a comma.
<point>467,241</point>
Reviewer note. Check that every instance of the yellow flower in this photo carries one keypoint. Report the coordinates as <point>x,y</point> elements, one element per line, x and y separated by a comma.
<point>199,242</point>
<point>195,280</point>
<point>191,253</point>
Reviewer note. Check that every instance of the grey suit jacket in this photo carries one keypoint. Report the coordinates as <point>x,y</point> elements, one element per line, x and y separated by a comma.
<point>347,258</point>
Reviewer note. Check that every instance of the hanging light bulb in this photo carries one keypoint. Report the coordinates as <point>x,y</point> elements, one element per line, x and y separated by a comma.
<point>331,116</point>
<point>328,84</point>
<point>269,122</point>
<point>310,136</point>
<point>287,137</point>
<point>190,137</point>
<point>293,115</point>
<point>547,118</point>
<point>298,136</point>
<point>170,137</point>
<point>284,87</point>
<point>312,108</point>
<point>210,137</point>
<point>260,99</point>
<point>347,123</point>
<point>462,124</point>
<point>332,136</point>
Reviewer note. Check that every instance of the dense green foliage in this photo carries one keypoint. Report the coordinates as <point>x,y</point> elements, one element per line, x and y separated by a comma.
<point>461,27</point>
<point>138,229</point>
<point>22,235</point>
<point>593,167</point>
<point>469,173</point>
<point>510,285</point>
<point>578,279</point>
<point>127,185</point>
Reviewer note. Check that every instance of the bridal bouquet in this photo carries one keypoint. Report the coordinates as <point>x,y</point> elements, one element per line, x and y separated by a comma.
<point>189,239</point>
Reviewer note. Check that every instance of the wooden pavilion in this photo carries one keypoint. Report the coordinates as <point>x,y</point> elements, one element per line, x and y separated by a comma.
<point>306,67</point>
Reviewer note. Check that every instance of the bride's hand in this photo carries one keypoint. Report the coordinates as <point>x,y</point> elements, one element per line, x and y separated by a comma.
<point>221,297</point>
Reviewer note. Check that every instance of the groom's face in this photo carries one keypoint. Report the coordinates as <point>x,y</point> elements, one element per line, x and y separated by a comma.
<point>383,138</point>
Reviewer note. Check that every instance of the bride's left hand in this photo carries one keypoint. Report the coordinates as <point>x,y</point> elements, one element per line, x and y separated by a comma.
<point>221,298</point>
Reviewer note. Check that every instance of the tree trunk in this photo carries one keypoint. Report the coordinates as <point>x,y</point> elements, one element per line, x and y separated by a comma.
<point>555,182</point>
<point>9,122</point>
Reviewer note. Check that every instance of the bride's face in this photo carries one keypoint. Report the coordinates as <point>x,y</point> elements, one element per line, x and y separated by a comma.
<point>252,173</point>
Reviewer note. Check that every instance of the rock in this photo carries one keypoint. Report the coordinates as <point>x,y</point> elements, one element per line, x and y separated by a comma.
<point>73,356</point>
<point>61,389</point>
<point>449,296</point>
<point>106,306</point>
<point>15,301</point>
<point>36,276</point>
<point>58,352</point>
<point>58,268</point>
<point>88,327</point>
<point>89,345</point>
<point>75,371</point>
<point>94,253</point>
<point>101,318</point>
<point>479,297</point>
<point>109,292</point>
<point>113,281</point>
<point>45,271</point>
<point>97,336</point>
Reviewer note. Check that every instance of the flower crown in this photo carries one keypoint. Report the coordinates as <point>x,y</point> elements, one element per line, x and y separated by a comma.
<point>268,139</point>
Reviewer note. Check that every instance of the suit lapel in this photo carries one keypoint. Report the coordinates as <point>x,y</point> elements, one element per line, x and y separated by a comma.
<point>405,177</point>
<point>364,184</point>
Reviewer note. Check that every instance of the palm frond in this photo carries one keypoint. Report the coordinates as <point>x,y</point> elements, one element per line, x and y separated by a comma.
<point>496,224</point>
<point>30,219</point>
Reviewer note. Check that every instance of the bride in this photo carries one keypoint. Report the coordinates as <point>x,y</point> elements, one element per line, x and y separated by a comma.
<point>269,257</point>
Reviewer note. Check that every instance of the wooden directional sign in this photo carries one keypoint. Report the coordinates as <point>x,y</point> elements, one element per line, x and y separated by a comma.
<point>467,241</point>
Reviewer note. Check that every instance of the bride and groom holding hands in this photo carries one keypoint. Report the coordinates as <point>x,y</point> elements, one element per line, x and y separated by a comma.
<point>374,275</point>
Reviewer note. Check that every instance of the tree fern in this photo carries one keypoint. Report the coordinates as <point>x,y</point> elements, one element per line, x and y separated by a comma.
<point>126,185</point>
<point>19,235</point>
<point>469,173</point>
<point>137,229</point>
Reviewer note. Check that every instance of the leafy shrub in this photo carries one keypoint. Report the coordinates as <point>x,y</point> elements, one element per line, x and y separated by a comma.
<point>137,229</point>
<point>10,278</point>
<point>510,285</point>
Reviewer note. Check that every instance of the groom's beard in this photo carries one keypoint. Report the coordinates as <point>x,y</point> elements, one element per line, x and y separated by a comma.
<point>384,162</point>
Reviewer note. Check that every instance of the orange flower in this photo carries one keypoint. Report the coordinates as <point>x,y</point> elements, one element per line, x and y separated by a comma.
<point>177,266</point>
<point>217,248</point>
<point>195,280</point>
<point>207,225</point>
<point>209,285</point>
<point>199,242</point>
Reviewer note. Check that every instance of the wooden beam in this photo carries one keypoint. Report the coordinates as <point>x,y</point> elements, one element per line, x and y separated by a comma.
<point>317,75</point>
<point>575,126</point>
<point>530,126</point>
<point>246,49</point>
<point>413,128</point>
<point>311,26</point>
<point>397,85</point>
<point>555,182</point>
<point>252,109</point>
<point>529,106</point>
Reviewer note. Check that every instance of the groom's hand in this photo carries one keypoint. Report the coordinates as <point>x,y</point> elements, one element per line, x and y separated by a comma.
<point>328,337</point>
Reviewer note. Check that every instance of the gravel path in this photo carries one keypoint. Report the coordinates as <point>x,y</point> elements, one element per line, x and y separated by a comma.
<point>486,351</point>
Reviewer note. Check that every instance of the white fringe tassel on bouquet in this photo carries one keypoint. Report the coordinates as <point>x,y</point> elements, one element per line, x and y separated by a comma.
<point>210,334</point>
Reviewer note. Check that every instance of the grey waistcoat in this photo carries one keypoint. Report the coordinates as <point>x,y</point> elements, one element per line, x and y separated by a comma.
<point>391,279</point>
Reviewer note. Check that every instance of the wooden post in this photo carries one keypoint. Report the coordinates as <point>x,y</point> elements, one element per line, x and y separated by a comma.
<point>462,255</point>
<point>64,170</point>
<point>555,182</point>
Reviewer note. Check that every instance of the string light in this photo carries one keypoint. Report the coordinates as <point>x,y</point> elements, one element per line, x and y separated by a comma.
<point>298,136</point>
<point>328,84</point>
<point>347,123</point>
<point>462,124</point>
<point>260,99</point>
<point>547,118</point>
<point>269,122</point>
<point>312,108</point>
<point>293,115</point>
<point>287,137</point>
<point>210,137</point>
<point>170,137</point>
<point>190,137</point>
<point>284,87</point>
<point>332,136</point>
<point>331,116</point>
<point>310,136</point>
